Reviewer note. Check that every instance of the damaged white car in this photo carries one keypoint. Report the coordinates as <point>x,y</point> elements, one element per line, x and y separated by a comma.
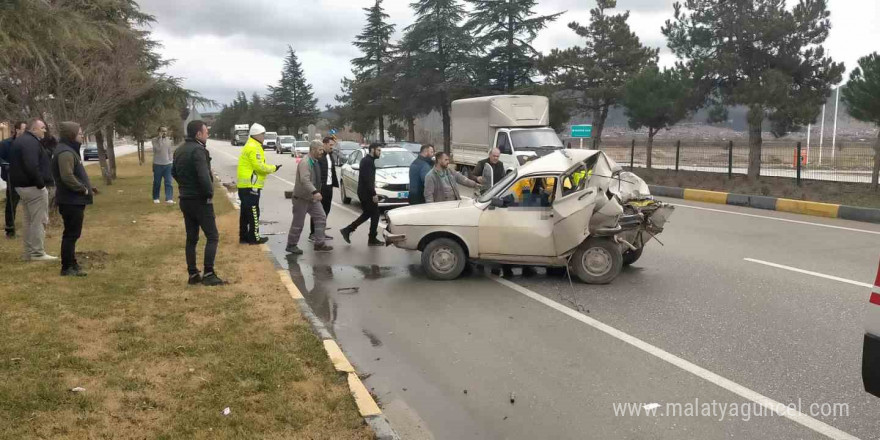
<point>573,208</point>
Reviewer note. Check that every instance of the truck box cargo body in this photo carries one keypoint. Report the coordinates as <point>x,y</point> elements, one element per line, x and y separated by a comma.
<point>517,125</point>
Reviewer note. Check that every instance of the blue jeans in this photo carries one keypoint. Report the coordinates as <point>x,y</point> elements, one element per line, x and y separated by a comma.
<point>162,172</point>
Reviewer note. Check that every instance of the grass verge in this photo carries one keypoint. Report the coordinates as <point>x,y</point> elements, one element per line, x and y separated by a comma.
<point>157,358</point>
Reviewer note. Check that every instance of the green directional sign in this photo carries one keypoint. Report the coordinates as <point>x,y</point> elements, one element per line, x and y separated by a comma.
<point>581,131</point>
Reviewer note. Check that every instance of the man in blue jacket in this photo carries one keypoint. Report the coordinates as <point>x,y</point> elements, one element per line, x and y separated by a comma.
<point>417,172</point>
<point>12,197</point>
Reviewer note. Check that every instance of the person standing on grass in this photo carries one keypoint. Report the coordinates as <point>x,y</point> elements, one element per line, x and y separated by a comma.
<point>163,159</point>
<point>73,193</point>
<point>12,197</point>
<point>29,170</point>
<point>366,192</point>
<point>252,172</point>
<point>440,183</point>
<point>307,200</point>
<point>195,183</point>
<point>329,180</point>
<point>417,172</point>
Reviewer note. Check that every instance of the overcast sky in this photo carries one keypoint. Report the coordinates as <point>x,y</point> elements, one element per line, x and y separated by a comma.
<point>222,46</point>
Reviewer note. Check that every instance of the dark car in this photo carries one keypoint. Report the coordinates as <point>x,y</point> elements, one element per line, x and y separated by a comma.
<point>343,149</point>
<point>90,152</point>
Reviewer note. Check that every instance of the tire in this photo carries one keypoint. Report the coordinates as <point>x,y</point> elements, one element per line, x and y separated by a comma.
<point>631,256</point>
<point>597,261</point>
<point>443,259</point>
<point>345,199</point>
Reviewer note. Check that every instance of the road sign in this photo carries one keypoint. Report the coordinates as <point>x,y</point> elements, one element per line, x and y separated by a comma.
<point>581,131</point>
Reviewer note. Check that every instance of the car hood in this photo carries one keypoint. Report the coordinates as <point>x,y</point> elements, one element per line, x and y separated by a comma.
<point>455,213</point>
<point>393,175</point>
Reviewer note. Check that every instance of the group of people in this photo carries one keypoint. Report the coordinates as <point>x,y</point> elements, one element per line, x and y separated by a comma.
<point>42,171</point>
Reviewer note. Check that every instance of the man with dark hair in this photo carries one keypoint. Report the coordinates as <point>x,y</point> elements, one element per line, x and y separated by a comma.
<point>12,197</point>
<point>163,158</point>
<point>73,193</point>
<point>440,183</point>
<point>417,172</point>
<point>328,181</point>
<point>195,183</point>
<point>29,171</point>
<point>366,192</point>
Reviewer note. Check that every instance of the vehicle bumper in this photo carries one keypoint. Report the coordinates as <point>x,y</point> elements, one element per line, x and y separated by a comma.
<point>389,199</point>
<point>871,364</point>
<point>393,239</point>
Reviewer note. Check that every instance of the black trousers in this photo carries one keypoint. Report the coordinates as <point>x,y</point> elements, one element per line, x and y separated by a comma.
<point>12,199</point>
<point>199,214</point>
<point>326,202</point>
<point>73,216</point>
<point>249,216</point>
<point>371,212</point>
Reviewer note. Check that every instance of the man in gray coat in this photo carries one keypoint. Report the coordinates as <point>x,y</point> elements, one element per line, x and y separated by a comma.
<point>307,200</point>
<point>440,183</point>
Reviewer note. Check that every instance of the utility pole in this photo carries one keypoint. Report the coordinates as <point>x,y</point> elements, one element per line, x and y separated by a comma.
<point>834,136</point>
<point>822,132</point>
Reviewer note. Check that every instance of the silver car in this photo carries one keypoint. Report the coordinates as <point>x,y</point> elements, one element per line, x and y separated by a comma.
<point>285,144</point>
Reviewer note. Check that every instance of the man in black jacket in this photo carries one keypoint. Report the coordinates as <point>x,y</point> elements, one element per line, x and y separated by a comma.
<point>366,193</point>
<point>73,193</point>
<point>496,169</point>
<point>328,182</point>
<point>195,183</point>
<point>12,198</point>
<point>30,172</point>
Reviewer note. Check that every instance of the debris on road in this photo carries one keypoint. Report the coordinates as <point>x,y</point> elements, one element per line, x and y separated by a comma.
<point>465,391</point>
<point>512,397</point>
<point>348,289</point>
<point>226,411</point>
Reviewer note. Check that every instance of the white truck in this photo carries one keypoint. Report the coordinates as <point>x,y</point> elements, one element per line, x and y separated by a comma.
<point>515,124</point>
<point>240,134</point>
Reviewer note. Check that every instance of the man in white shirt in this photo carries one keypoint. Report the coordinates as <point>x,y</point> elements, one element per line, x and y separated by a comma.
<point>328,181</point>
<point>163,158</point>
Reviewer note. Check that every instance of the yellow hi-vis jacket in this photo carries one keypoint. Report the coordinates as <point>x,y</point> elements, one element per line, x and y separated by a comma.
<point>252,167</point>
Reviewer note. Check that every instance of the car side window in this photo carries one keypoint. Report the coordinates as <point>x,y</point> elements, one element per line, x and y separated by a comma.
<point>532,191</point>
<point>355,158</point>
<point>575,181</point>
<point>503,143</point>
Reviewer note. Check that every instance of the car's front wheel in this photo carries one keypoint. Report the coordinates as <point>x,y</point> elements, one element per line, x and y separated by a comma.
<point>443,259</point>
<point>597,261</point>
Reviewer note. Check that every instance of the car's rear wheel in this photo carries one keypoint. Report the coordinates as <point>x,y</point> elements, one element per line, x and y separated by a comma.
<point>443,259</point>
<point>345,199</point>
<point>597,261</point>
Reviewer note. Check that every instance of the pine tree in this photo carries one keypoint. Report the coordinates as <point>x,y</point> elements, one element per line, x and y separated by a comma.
<point>371,89</point>
<point>862,98</point>
<point>657,100</point>
<point>611,55</point>
<point>759,54</point>
<point>506,29</point>
<point>440,49</point>
<point>292,102</point>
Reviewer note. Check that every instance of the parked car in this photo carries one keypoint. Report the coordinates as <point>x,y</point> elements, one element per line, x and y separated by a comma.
<point>574,208</point>
<point>89,151</point>
<point>285,144</point>
<point>300,149</point>
<point>392,176</point>
<point>412,147</point>
<point>343,149</point>
<point>871,343</point>
<point>270,141</point>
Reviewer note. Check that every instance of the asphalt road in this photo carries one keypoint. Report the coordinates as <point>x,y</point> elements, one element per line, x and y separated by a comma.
<point>693,323</point>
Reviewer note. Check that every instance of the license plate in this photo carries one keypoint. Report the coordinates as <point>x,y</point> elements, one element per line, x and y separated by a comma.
<point>403,195</point>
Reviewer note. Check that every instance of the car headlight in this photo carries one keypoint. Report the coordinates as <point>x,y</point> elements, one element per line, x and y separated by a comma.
<point>380,184</point>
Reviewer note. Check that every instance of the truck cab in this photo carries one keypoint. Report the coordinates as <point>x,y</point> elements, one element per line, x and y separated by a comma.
<point>521,145</point>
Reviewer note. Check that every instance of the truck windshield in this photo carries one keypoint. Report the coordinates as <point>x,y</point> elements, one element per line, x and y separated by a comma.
<point>535,138</point>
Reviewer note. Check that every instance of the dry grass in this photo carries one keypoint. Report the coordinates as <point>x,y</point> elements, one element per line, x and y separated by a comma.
<point>159,359</point>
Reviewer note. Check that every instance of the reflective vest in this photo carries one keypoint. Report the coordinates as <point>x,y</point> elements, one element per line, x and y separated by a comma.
<point>252,167</point>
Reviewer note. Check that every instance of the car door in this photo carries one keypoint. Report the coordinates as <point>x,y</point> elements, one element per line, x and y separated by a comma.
<point>524,226</point>
<point>350,173</point>
<point>572,210</point>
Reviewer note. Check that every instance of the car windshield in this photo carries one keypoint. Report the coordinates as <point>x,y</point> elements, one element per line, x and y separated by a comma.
<point>394,159</point>
<point>271,136</point>
<point>544,137</point>
<point>302,144</point>
<point>410,146</point>
<point>286,139</point>
<point>495,190</point>
<point>348,146</point>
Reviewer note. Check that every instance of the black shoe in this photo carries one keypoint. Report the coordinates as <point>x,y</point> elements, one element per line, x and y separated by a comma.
<point>529,271</point>
<point>195,279</point>
<point>72,272</point>
<point>375,242</point>
<point>10,234</point>
<point>260,240</point>
<point>346,234</point>
<point>211,279</point>
<point>323,248</point>
<point>242,241</point>
<point>293,250</point>
<point>507,272</point>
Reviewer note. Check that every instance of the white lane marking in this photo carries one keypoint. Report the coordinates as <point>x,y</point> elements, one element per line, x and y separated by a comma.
<point>811,273</point>
<point>843,228</point>
<point>727,384</point>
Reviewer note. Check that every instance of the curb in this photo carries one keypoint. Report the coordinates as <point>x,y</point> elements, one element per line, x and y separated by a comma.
<point>828,210</point>
<point>367,406</point>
